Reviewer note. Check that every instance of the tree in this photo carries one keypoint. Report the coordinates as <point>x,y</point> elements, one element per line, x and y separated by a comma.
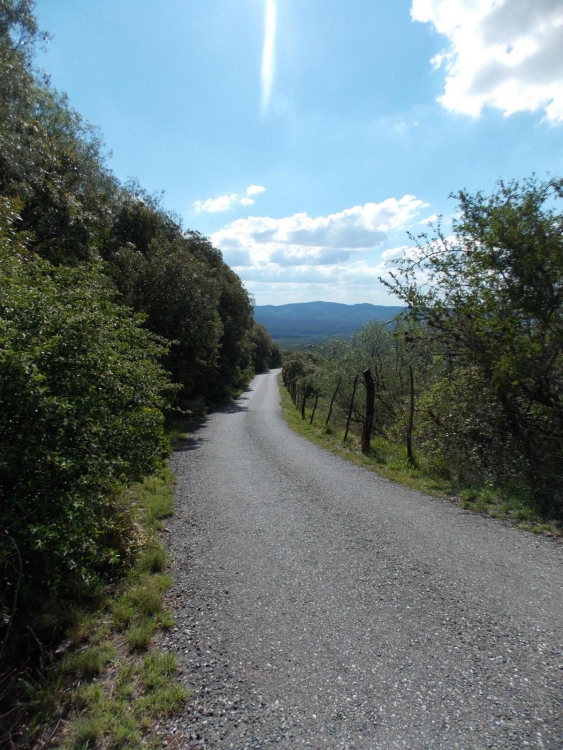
<point>189,295</point>
<point>18,29</point>
<point>266,353</point>
<point>491,298</point>
<point>82,395</point>
<point>180,299</point>
<point>52,162</point>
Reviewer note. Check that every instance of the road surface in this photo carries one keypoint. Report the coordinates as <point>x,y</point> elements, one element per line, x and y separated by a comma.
<point>321,606</point>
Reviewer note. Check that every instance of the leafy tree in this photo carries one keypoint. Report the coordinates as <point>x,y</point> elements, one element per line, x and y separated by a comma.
<point>50,159</point>
<point>266,353</point>
<point>18,30</point>
<point>235,356</point>
<point>138,219</point>
<point>180,298</point>
<point>180,281</point>
<point>492,298</point>
<point>81,414</point>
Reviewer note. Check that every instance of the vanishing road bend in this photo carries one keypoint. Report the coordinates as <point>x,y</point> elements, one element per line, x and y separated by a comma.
<point>320,606</point>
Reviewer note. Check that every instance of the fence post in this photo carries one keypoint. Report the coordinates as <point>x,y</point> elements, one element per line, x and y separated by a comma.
<point>350,409</point>
<point>329,415</point>
<point>370,408</point>
<point>303,402</point>
<point>411,419</point>
<point>314,407</point>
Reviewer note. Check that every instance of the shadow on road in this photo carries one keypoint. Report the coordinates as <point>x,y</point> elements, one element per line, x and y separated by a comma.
<point>233,408</point>
<point>236,406</point>
<point>195,440</point>
<point>191,443</point>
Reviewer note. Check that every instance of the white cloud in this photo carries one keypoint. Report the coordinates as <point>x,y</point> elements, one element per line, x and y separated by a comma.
<point>255,189</point>
<point>300,257</point>
<point>395,252</point>
<point>504,53</point>
<point>301,240</point>
<point>359,273</point>
<point>429,219</point>
<point>214,205</point>
<point>228,202</point>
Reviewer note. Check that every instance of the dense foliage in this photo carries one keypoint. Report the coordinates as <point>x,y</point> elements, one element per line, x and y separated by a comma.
<point>483,339</point>
<point>104,301</point>
<point>81,397</point>
<point>267,354</point>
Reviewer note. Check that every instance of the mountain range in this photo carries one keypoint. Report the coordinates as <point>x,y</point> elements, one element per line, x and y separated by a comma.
<point>302,321</point>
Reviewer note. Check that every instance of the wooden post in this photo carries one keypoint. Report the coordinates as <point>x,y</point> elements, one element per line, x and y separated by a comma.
<point>370,408</point>
<point>314,407</point>
<point>411,419</point>
<point>303,402</point>
<point>329,415</point>
<point>350,409</point>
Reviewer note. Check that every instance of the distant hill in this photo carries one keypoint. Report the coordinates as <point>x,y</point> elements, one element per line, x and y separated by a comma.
<point>314,321</point>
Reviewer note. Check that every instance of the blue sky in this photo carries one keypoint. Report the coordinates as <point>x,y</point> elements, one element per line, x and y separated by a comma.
<point>307,137</point>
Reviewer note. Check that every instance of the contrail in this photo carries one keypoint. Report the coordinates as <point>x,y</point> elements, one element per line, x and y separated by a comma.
<point>268,53</point>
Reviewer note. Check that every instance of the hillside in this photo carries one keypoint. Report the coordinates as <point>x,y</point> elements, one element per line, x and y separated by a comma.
<point>314,321</point>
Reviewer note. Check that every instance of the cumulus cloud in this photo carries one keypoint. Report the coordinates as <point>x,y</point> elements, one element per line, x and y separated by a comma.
<point>506,54</point>
<point>356,281</point>
<point>301,240</point>
<point>336,256</point>
<point>394,253</point>
<point>358,273</point>
<point>229,202</point>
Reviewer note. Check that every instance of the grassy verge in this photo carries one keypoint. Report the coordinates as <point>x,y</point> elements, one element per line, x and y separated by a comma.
<point>108,684</point>
<point>390,461</point>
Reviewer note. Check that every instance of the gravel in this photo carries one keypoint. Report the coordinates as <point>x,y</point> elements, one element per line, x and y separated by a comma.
<point>320,606</point>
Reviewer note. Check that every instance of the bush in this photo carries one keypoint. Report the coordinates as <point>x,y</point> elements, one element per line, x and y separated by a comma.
<point>81,399</point>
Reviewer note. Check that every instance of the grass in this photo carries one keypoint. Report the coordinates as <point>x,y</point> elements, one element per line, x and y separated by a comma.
<point>119,712</point>
<point>137,685</point>
<point>140,635</point>
<point>155,496</point>
<point>90,661</point>
<point>111,683</point>
<point>390,461</point>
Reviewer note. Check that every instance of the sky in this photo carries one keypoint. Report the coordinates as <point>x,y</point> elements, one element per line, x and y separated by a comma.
<point>308,138</point>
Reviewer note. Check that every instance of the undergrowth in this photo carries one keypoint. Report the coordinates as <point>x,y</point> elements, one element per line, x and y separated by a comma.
<point>390,461</point>
<point>106,685</point>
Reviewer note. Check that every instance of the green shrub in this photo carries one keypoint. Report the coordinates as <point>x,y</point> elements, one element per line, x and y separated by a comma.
<point>81,399</point>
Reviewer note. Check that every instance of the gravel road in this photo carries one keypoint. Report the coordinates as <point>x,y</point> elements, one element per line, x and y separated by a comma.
<point>321,606</point>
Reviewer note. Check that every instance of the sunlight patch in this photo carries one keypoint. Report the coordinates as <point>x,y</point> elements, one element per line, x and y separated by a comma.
<point>268,54</point>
